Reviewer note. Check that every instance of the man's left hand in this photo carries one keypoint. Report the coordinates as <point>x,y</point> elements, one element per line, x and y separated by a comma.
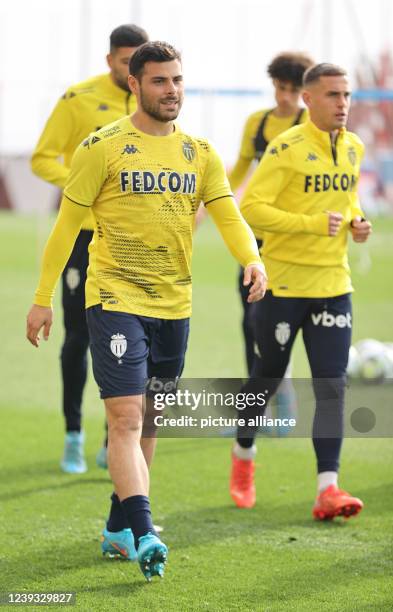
<point>256,275</point>
<point>361,229</point>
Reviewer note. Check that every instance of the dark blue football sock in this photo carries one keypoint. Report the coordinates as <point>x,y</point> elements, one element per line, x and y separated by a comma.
<point>117,519</point>
<point>138,514</point>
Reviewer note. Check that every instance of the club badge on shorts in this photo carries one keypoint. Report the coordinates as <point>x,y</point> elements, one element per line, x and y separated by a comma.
<point>282,333</point>
<point>118,346</point>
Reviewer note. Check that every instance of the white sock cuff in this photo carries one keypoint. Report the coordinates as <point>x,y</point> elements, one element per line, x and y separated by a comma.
<point>325,479</point>
<point>244,453</point>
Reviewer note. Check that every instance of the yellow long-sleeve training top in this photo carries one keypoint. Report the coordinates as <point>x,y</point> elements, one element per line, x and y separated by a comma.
<point>301,176</point>
<point>144,192</point>
<point>84,108</point>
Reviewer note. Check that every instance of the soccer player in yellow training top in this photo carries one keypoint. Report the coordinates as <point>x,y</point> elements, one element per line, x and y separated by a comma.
<point>303,197</point>
<point>286,72</point>
<point>143,180</point>
<point>84,107</point>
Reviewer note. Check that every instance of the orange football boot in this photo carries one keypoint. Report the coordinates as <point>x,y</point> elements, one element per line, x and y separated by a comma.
<point>242,487</point>
<point>335,502</point>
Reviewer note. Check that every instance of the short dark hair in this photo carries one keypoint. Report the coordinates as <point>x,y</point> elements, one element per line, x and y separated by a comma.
<point>155,51</point>
<point>128,35</point>
<point>314,73</point>
<point>290,67</point>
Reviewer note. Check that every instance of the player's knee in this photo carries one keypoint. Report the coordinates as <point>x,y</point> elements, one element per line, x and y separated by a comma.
<point>329,387</point>
<point>125,425</point>
<point>265,376</point>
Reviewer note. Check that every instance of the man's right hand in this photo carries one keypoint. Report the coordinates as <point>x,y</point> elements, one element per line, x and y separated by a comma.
<point>335,221</point>
<point>256,275</point>
<point>38,317</point>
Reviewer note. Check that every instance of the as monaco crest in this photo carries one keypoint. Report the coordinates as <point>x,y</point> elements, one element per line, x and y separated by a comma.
<point>283,332</point>
<point>118,346</point>
<point>73,278</point>
<point>188,151</point>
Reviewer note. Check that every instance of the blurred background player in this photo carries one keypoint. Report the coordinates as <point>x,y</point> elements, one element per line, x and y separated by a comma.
<point>138,290</point>
<point>304,196</point>
<point>85,107</point>
<point>286,71</point>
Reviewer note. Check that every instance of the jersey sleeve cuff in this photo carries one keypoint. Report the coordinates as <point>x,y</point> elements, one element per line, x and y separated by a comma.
<point>43,300</point>
<point>256,262</point>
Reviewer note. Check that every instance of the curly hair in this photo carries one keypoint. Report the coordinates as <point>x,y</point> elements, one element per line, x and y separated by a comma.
<point>290,67</point>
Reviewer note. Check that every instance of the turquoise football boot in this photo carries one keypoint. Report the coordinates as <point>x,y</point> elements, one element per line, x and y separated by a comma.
<point>73,461</point>
<point>102,458</point>
<point>118,544</point>
<point>152,556</point>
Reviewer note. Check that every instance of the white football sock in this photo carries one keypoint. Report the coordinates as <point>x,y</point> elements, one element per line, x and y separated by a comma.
<point>325,479</point>
<point>244,453</point>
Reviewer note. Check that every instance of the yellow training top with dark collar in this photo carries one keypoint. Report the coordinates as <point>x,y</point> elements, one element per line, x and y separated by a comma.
<point>300,177</point>
<point>274,126</point>
<point>144,192</point>
<point>84,108</point>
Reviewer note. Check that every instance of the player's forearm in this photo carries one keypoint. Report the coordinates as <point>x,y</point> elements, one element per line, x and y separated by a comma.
<point>58,249</point>
<point>49,169</point>
<point>238,173</point>
<point>236,233</point>
<point>265,218</point>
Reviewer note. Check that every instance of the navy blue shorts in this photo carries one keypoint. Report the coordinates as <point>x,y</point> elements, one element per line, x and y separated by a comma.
<point>129,351</point>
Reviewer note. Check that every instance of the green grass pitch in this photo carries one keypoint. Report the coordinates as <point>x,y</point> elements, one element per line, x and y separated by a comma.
<point>272,558</point>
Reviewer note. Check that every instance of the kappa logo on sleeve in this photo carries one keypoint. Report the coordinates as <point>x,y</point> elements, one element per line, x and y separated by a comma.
<point>68,95</point>
<point>89,142</point>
